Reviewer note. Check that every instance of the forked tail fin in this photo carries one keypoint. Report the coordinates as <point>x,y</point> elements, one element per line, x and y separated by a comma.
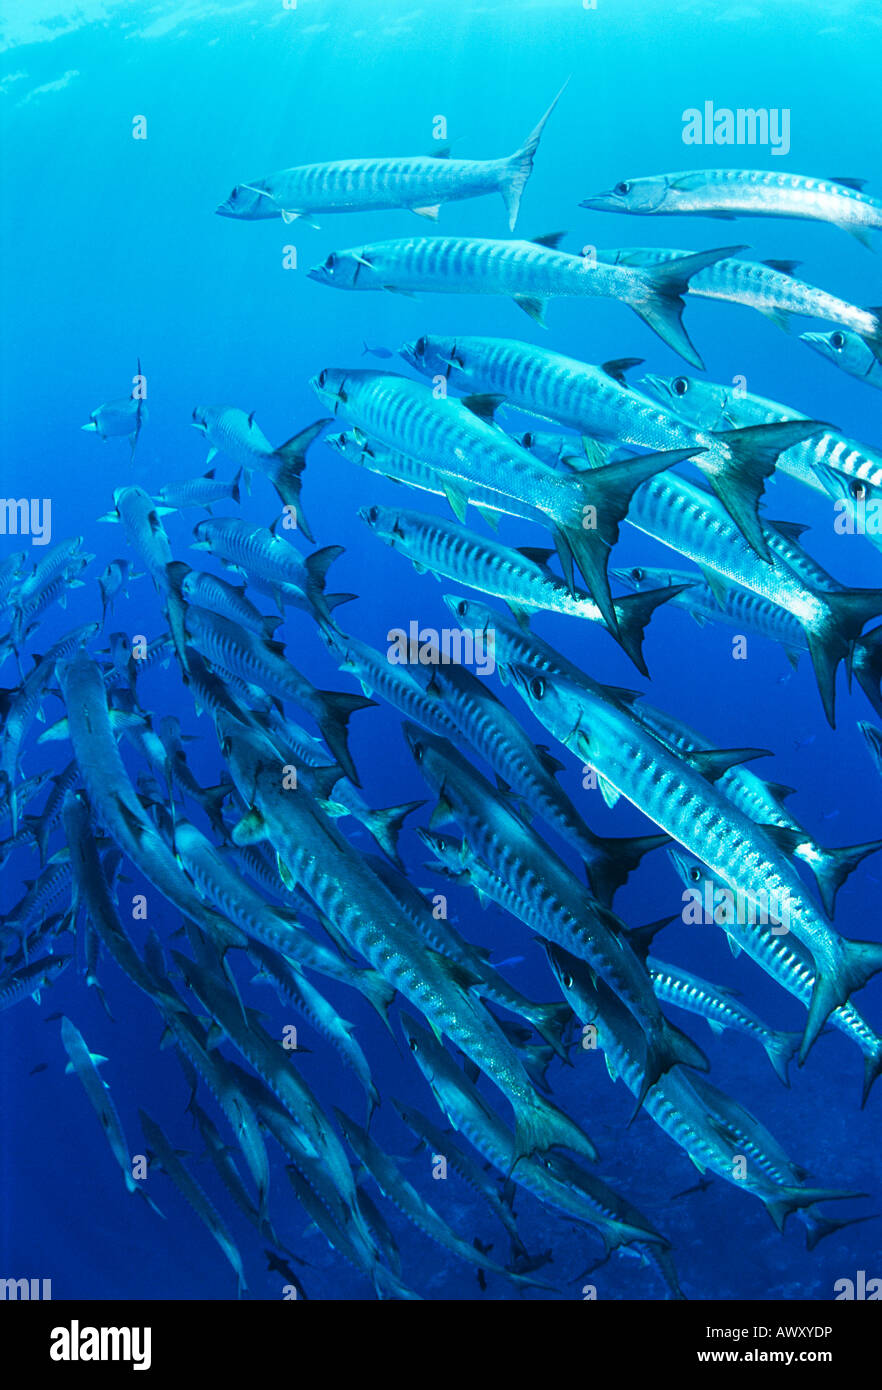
<point>517,169</point>
<point>659,301</point>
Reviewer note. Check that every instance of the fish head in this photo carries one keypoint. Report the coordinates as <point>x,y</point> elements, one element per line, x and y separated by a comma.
<point>706,405</point>
<point>848,350</point>
<point>640,578</point>
<point>645,195</point>
<point>690,870</point>
<point>575,714</point>
<point>450,853</point>
<point>385,522</point>
<point>431,355</point>
<point>330,386</point>
<point>347,270</point>
<point>249,202</point>
<point>425,1048</point>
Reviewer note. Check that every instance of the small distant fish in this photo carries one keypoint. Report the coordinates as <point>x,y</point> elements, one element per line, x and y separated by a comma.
<point>113,581</point>
<point>41,1066</point>
<point>376,351</point>
<point>123,417</point>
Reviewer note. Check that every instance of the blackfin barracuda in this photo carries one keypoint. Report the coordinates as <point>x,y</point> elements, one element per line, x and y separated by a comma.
<point>582,511</point>
<point>541,891</point>
<point>233,432</point>
<point>395,1187</point>
<point>271,563</point>
<point>123,417</point>
<point>521,577</point>
<point>811,461</point>
<point>553,1179</point>
<point>849,352</point>
<point>358,904</point>
<point>28,980</point>
<point>730,193</point>
<point>680,799</point>
<point>598,403</point>
<point>767,286</point>
<point>529,272</point>
<point>688,519</point>
<point>674,985</point>
<point>420,183</point>
<point>678,1107</point>
<point>763,803</point>
<point>784,959</point>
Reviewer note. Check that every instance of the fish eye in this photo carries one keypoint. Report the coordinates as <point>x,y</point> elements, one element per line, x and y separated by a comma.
<point>638,574</point>
<point>680,385</point>
<point>857,489</point>
<point>372,515</point>
<point>412,1044</point>
<point>837,341</point>
<point>537,687</point>
<point>695,874</point>
<point>331,262</point>
<point>622,188</point>
<point>322,379</point>
<point>418,752</point>
<point>421,346</point>
<point>567,981</point>
<point>528,440</point>
<point>462,608</point>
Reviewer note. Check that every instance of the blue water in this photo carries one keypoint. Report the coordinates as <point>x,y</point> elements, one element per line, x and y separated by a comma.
<point>111,251</point>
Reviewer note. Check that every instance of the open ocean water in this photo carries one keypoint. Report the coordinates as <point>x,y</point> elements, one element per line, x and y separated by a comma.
<point>123,127</point>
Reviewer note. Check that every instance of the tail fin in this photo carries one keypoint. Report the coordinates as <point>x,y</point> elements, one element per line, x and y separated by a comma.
<point>818,1225</point>
<point>317,566</point>
<point>861,960</point>
<point>792,1198</point>
<point>290,462</point>
<point>752,455</point>
<point>619,857</point>
<point>836,637</point>
<point>606,494</point>
<point>337,707</point>
<point>872,1068</point>
<point>866,664</point>
<point>518,168</point>
<point>781,1048</point>
<point>832,867</point>
<point>385,826</point>
<point>659,302</point>
<point>633,613</point>
<point>540,1126</point>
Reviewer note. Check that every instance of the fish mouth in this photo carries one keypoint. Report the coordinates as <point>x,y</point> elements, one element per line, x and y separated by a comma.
<point>315,272</point>
<point>224,210</point>
<point>601,202</point>
<point>815,339</point>
<point>656,384</point>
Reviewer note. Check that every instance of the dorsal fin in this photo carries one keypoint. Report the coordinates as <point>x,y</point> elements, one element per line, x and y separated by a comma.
<point>856,184</point>
<point>549,239</point>
<point>618,366</point>
<point>538,554</point>
<point>785,267</point>
<point>483,404</point>
<point>713,762</point>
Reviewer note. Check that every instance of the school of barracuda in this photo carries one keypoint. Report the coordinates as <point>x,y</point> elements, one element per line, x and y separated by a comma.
<point>259,865</point>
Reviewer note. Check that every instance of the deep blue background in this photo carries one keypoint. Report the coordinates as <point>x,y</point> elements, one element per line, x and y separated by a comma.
<point>111,250</point>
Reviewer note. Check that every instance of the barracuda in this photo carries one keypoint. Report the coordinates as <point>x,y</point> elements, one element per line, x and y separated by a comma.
<point>229,600</point>
<point>396,1189</point>
<point>529,272</point>
<point>134,508</point>
<point>598,403</point>
<point>357,903</point>
<point>420,183</point>
<point>196,492</point>
<point>265,665</point>
<point>680,1109</point>
<point>762,802</point>
<point>29,980</point>
<point>233,432</point>
<point>540,890</point>
<point>768,286</point>
<point>674,985</point>
<point>394,683</point>
<point>164,1156</point>
<point>521,577</point>
<point>689,520</point>
<point>84,1065</point>
<point>730,193</point>
<point>712,600</point>
<point>785,960</point>
<point>552,1179</point>
<point>583,513</point>
<point>829,462</point>
<point>679,799</point>
<point>271,563</point>
<point>850,353</point>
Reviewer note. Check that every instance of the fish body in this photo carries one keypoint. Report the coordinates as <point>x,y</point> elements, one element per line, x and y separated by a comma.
<point>420,183</point>
<point>729,193</point>
<point>850,352</point>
